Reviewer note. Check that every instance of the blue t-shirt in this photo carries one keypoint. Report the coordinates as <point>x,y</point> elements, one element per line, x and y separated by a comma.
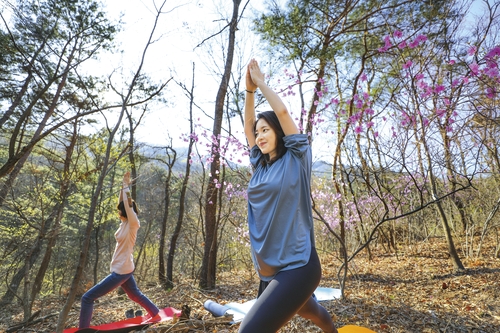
<point>279,209</point>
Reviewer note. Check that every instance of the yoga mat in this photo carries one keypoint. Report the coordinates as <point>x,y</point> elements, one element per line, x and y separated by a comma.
<point>239,310</point>
<point>127,325</point>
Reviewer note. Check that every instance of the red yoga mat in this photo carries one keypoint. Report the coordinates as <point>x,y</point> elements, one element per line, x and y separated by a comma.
<point>128,325</point>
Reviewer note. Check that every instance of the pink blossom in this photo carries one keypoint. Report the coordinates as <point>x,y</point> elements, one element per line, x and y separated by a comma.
<point>398,34</point>
<point>402,45</point>
<point>491,64</point>
<point>413,45</point>
<point>387,44</point>
<point>440,112</point>
<point>472,50</point>
<point>369,124</point>
<point>491,92</point>
<point>474,67</point>
<point>363,77</point>
<point>334,101</point>
<point>491,72</point>
<point>465,80</point>
<point>419,76</point>
<point>421,38</point>
<point>439,88</point>
<point>425,121</point>
<point>418,39</point>
<point>358,129</point>
<point>369,111</point>
<point>354,118</point>
<point>375,134</point>
<point>387,41</point>
<point>494,52</point>
<point>451,62</point>
<point>407,64</point>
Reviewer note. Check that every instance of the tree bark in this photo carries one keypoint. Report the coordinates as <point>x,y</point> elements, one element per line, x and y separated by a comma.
<point>209,263</point>
<point>162,277</point>
<point>182,198</point>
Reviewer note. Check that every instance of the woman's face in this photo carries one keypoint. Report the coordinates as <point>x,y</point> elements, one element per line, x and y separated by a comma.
<point>265,138</point>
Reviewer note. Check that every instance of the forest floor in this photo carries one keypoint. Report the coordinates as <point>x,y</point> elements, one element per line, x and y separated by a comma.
<point>411,293</point>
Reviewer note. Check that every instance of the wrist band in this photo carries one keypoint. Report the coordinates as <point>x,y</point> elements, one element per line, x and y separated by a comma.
<point>251,92</point>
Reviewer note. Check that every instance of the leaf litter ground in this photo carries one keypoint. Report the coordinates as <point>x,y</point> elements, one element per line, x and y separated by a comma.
<point>410,293</point>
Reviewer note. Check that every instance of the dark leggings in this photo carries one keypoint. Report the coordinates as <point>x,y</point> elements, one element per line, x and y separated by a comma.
<point>289,293</point>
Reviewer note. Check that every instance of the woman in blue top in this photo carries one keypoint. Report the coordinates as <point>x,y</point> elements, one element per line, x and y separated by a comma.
<point>280,215</point>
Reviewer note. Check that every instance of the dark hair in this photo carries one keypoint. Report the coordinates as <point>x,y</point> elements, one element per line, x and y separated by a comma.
<point>123,212</point>
<point>273,121</point>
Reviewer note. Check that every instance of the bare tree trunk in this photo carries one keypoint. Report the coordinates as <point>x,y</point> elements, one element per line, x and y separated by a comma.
<point>163,234</point>
<point>208,267</point>
<point>182,198</point>
<point>95,267</point>
<point>455,259</point>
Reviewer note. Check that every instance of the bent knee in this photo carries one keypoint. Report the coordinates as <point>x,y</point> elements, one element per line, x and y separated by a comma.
<point>86,299</point>
<point>310,310</point>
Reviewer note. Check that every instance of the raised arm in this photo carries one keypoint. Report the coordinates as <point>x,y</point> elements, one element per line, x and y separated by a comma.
<point>251,87</point>
<point>279,108</point>
<point>127,197</point>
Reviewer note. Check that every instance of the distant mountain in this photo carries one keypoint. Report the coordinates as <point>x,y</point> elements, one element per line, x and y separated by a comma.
<point>320,168</point>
